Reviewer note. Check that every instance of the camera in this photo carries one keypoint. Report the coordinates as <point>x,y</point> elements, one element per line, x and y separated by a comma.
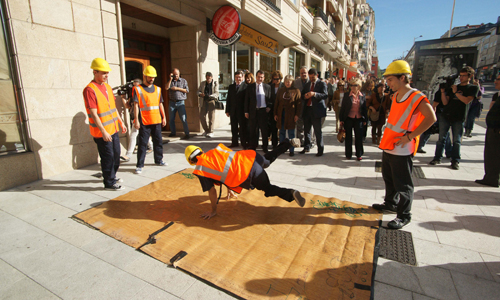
<point>125,89</point>
<point>172,76</point>
<point>448,81</point>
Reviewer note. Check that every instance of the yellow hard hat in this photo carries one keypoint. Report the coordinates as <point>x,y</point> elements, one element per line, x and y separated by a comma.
<point>191,151</point>
<point>398,67</point>
<point>150,71</point>
<point>100,64</point>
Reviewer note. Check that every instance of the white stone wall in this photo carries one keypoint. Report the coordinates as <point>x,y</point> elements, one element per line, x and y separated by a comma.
<point>55,42</point>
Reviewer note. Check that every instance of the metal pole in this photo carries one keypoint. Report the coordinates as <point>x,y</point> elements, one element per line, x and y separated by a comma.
<point>451,23</point>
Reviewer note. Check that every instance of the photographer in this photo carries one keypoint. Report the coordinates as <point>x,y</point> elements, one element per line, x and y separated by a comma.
<point>209,93</point>
<point>455,100</point>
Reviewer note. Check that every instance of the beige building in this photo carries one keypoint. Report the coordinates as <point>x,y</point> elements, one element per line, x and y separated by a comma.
<point>48,47</point>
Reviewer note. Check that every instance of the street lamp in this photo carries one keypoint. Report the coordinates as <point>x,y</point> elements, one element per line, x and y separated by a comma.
<point>416,38</point>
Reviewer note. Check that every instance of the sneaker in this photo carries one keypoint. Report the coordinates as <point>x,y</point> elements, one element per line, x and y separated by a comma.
<point>481,181</point>
<point>210,135</point>
<point>118,180</point>
<point>185,137</point>
<point>295,142</point>
<point>435,162</point>
<point>125,158</point>
<point>204,134</point>
<point>114,187</point>
<point>171,135</point>
<point>149,151</point>
<point>398,223</point>
<point>385,207</point>
<point>161,164</point>
<point>138,170</point>
<point>301,201</point>
<point>421,151</point>
<point>454,165</point>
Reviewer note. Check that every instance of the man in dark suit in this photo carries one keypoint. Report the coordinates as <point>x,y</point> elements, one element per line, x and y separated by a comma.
<point>235,105</point>
<point>257,107</point>
<point>314,96</point>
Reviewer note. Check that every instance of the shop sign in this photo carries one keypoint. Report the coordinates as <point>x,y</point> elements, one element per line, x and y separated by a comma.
<point>225,26</point>
<point>258,40</point>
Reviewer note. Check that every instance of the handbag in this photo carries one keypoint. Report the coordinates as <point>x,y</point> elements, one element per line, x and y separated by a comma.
<point>218,104</point>
<point>374,116</point>
<point>341,134</point>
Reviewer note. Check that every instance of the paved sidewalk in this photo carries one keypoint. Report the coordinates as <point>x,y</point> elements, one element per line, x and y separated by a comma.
<point>456,228</point>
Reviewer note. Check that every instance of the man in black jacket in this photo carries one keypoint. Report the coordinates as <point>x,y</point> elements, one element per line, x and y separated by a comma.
<point>257,101</point>
<point>235,104</point>
<point>314,96</point>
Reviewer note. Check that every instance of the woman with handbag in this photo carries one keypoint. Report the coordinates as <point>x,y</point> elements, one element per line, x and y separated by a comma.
<point>376,112</point>
<point>338,95</point>
<point>353,115</point>
<point>209,93</point>
<point>287,109</point>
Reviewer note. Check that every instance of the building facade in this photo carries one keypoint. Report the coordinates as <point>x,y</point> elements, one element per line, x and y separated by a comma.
<point>47,47</point>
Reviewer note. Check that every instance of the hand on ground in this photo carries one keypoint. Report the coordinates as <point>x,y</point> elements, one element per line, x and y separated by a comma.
<point>208,215</point>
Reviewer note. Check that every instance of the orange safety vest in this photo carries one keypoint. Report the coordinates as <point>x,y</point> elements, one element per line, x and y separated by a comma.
<point>106,110</point>
<point>149,104</point>
<point>399,120</point>
<point>225,165</point>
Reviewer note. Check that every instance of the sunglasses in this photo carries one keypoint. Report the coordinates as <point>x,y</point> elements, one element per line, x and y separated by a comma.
<point>354,85</point>
<point>276,79</point>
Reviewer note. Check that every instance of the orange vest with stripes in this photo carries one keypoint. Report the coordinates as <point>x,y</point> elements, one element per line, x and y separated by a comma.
<point>398,122</point>
<point>230,167</point>
<point>149,105</point>
<point>106,110</point>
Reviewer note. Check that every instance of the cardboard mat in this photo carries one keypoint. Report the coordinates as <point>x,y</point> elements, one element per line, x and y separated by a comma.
<point>256,247</point>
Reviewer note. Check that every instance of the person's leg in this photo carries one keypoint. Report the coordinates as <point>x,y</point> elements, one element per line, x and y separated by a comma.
<point>358,136</point>
<point>391,195</point>
<point>300,129</point>
<point>144,134</point>
<point>306,118</point>
<point>337,122</point>
<point>277,151</point>
<point>348,124</point>
<point>211,116</point>
<point>379,132</point>
<point>273,130</point>
<point>291,135</point>
<point>374,133</point>
<point>234,131</point>
<point>172,109</point>
<point>203,116</point>
<point>261,182</point>
<point>491,157</point>
<point>448,146</point>
<point>181,108</point>
<point>132,141</point>
<point>157,143</point>
<point>318,132</point>
<point>244,131</point>
<point>263,126</point>
<point>457,130</point>
<point>444,126</point>
<point>424,138</point>
<point>403,183</point>
<point>106,154</point>
<point>116,155</point>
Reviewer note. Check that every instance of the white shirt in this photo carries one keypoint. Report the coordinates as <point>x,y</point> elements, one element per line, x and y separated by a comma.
<point>261,96</point>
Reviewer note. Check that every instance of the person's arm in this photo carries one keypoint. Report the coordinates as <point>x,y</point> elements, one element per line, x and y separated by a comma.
<point>247,101</point>
<point>320,95</point>
<point>162,113</point>
<point>461,97</point>
<point>229,99</point>
<point>445,99</point>
<point>276,104</point>
<point>298,106</point>
<point>185,90</point>
<point>212,194</point>
<point>125,102</point>
<point>105,135</point>
<point>124,128</point>
<point>201,90</point>
<point>429,118</point>
<point>169,83</point>
<point>215,92</point>
<point>137,124</point>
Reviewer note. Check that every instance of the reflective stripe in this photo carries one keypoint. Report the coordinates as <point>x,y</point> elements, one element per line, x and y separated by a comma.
<point>107,113</point>
<point>109,122</point>
<point>147,108</point>
<point>220,149</point>
<point>208,170</point>
<point>397,127</point>
<point>139,90</point>
<point>227,167</point>
<point>394,128</point>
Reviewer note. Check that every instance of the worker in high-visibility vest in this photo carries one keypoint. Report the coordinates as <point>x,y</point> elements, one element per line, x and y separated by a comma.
<point>104,122</point>
<point>238,170</point>
<point>411,114</point>
<point>149,118</point>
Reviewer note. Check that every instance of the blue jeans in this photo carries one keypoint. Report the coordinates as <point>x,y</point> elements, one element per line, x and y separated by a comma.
<point>471,116</point>
<point>426,136</point>
<point>457,129</point>
<point>283,132</point>
<point>177,106</point>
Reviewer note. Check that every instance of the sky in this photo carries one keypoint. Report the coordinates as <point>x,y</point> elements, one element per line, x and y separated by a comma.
<point>398,22</point>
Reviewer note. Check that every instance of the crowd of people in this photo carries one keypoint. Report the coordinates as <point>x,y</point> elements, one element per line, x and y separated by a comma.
<point>289,112</point>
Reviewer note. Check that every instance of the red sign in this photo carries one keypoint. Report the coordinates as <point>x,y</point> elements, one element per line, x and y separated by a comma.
<point>226,22</point>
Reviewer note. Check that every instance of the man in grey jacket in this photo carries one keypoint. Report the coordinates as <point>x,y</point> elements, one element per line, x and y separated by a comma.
<point>209,93</point>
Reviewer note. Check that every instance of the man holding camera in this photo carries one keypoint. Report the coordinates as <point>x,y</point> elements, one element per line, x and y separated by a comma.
<point>455,100</point>
<point>209,93</point>
<point>149,118</point>
<point>177,94</point>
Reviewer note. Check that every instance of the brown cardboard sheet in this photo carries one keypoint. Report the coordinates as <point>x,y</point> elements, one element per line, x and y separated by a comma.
<point>255,247</point>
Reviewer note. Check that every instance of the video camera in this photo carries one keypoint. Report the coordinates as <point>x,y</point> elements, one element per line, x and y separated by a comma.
<point>449,81</point>
<point>125,89</point>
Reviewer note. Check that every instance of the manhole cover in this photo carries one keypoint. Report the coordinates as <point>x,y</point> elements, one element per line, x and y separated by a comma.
<point>397,245</point>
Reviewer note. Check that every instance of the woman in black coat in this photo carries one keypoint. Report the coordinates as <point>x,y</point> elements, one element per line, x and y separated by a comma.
<point>353,115</point>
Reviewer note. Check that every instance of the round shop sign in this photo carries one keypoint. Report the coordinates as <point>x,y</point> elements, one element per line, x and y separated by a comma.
<point>225,25</point>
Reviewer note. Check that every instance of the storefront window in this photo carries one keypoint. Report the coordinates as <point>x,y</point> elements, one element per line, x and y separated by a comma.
<point>243,61</point>
<point>267,64</point>
<point>300,61</point>
<point>225,71</point>
<point>11,125</point>
<point>315,64</point>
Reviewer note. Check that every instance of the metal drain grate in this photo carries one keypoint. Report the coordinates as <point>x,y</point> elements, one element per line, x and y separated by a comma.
<point>97,175</point>
<point>397,245</point>
<point>417,171</point>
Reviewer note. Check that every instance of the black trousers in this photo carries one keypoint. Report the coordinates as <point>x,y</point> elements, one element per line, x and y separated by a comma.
<point>396,171</point>
<point>311,121</point>
<point>491,158</point>
<point>273,129</point>
<point>234,129</point>
<point>262,182</point>
<point>357,125</point>
<point>259,123</point>
<point>109,152</point>
<point>239,127</point>
<point>144,133</point>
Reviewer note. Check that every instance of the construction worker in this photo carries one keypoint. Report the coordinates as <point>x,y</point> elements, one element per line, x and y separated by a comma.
<point>104,122</point>
<point>238,170</point>
<point>411,115</point>
<point>149,118</point>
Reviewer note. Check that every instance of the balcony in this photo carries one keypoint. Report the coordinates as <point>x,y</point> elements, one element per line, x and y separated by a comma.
<point>332,6</point>
<point>338,14</point>
<point>320,26</point>
<point>333,29</point>
<point>273,6</point>
<point>307,19</point>
<point>321,14</point>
